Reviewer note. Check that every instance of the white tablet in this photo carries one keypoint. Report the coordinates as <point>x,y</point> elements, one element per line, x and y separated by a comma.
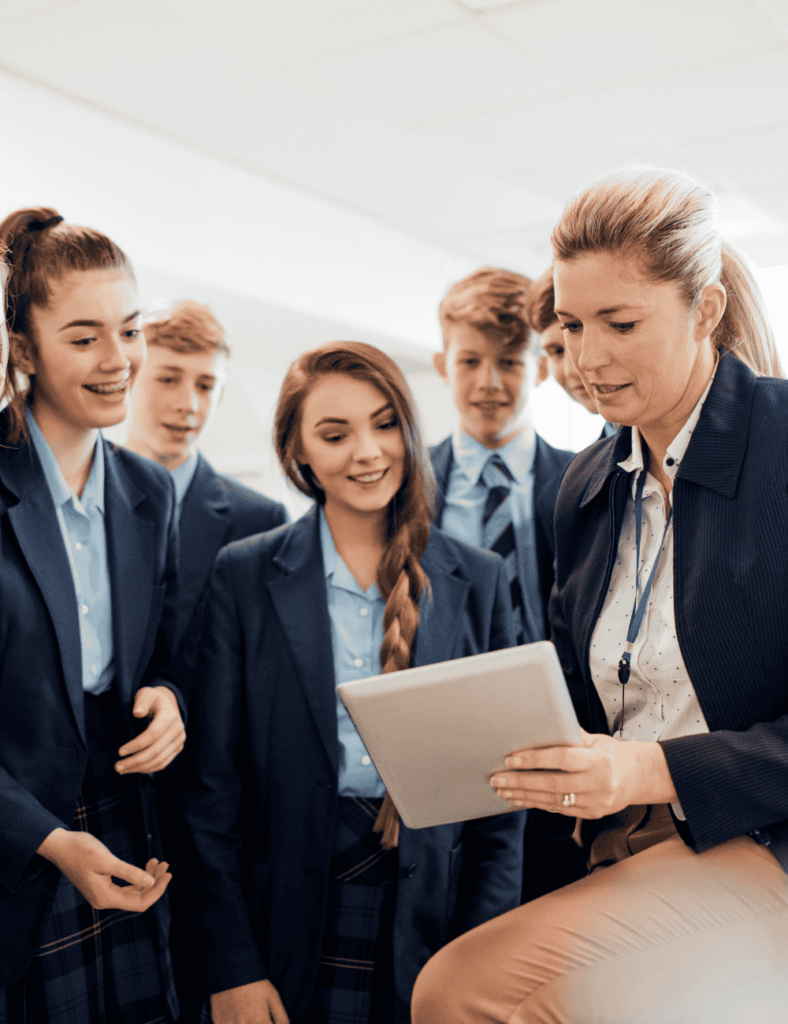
<point>437,733</point>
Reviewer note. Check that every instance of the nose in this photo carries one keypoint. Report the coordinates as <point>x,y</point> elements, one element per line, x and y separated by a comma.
<point>587,351</point>
<point>114,356</point>
<point>367,448</point>
<point>186,398</point>
<point>489,375</point>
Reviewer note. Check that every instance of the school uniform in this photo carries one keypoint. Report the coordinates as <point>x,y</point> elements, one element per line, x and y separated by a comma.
<point>281,795</point>
<point>87,606</point>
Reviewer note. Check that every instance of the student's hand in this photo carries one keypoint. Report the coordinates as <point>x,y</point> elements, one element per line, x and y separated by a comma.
<point>605,776</point>
<point>256,1003</point>
<point>90,866</point>
<point>162,741</point>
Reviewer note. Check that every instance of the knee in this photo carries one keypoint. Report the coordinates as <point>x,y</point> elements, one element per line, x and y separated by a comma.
<point>439,994</point>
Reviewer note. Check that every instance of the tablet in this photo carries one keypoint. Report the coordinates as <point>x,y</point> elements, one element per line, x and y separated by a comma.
<point>437,733</point>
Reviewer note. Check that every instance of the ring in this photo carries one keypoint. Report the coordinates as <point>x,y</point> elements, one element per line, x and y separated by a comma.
<point>569,800</point>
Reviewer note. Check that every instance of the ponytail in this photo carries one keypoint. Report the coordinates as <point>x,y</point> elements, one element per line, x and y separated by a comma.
<point>744,328</point>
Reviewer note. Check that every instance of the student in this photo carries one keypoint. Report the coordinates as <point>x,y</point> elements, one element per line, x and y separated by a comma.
<point>540,311</point>
<point>497,479</point>
<point>173,403</point>
<point>88,707</point>
<point>304,913</point>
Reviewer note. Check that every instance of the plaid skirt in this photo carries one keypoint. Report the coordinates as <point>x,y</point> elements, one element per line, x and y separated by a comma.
<point>97,966</point>
<point>355,977</point>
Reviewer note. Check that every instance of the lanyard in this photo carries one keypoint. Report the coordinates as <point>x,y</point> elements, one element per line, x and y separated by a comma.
<point>639,607</point>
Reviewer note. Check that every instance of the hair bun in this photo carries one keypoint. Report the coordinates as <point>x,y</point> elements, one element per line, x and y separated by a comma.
<point>42,225</point>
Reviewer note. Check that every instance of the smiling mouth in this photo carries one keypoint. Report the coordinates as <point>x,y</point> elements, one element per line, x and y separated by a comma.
<point>608,389</point>
<point>107,389</point>
<point>490,406</point>
<point>368,478</point>
<point>179,430</point>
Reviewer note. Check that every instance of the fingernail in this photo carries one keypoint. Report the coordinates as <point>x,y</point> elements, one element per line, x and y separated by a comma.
<point>120,769</point>
<point>496,781</point>
<point>513,762</point>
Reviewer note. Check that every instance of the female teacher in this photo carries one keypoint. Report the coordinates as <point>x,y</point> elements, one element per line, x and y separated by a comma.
<point>671,621</point>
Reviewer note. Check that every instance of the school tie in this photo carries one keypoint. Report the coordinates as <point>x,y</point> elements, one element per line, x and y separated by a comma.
<point>498,532</point>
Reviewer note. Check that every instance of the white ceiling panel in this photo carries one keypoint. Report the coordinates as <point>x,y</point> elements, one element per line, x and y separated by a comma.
<point>18,10</point>
<point>609,40</point>
<point>449,71</point>
<point>737,95</point>
<point>776,10</point>
<point>525,250</point>
<point>750,159</point>
<point>295,30</point>
<point>581,126</point>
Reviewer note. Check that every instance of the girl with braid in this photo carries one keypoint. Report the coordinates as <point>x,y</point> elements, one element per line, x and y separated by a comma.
<point>313,902</point>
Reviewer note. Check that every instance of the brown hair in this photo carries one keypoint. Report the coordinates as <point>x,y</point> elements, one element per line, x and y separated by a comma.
<point>540,302</point>
<point>492,301</point>
<point>41,249</point>
<point>185,327</point>
<point>400,577</point>
<point>668,221</point>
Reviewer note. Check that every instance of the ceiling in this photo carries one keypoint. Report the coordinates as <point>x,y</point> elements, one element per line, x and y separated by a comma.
<point>463,128</point>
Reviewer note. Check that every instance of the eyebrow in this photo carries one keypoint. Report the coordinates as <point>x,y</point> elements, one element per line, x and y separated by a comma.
<point>96,323</point>
<point>603,312</point>
<point>336,419</point>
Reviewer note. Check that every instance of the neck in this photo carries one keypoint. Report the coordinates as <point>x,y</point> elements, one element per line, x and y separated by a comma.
<point>360,540</point>
<point>72,447</point>
<point>659,435</point>
<point>137,444</point>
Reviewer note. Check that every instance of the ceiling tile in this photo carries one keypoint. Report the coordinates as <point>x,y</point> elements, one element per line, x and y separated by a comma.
<point>749,159</point>
<point>617,39</point>
<point>300,29</point>
<point>737,95</point>
<point>433,74</point>
<point>776,10</point>
<point>580,126</point>
<point>525,250</point>
<point>18,10</point>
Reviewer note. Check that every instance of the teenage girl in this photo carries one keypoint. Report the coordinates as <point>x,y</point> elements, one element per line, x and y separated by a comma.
<point>88,706</point>
<point>304,913</point>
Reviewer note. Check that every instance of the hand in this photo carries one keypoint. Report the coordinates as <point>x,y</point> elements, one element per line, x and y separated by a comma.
<point>605,776</point>
<point>162,741</point>
<point>89,865</point>
<point>256,1003</point>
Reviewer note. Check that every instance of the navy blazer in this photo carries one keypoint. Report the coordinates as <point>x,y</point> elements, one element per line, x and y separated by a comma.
<point>43,752</point>
<point>261,799</point>
<point>549,465</point>
<point>730,571</point>
<point>216,510</point>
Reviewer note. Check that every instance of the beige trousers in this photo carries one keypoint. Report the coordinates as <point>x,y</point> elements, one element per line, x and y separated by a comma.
<point>667,936</point>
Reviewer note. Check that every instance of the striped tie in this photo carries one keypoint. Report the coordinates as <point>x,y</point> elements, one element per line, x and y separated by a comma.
<point>498,533</point>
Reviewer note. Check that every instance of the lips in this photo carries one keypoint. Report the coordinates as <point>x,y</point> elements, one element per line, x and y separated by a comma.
<point>606,390</point>
<point>369,478</point>
<point>177,429</point>
<point>108,389</point>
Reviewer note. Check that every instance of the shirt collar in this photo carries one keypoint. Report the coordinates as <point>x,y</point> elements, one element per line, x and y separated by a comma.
<point>182,477</point>
<point>518,454</point>
<point>678,446</point>
<point>337,573</point>
<point>93,493</point>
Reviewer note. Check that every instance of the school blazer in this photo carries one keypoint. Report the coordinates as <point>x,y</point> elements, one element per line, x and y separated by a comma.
<point>216,510</point>
<point>730,569</point>
<point>549,465</point>
<point>43,753</point>
<point>261,796</point>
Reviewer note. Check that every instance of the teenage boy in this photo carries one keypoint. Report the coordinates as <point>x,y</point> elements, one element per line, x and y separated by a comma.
<point>498,479</point>
<point>175,397</point>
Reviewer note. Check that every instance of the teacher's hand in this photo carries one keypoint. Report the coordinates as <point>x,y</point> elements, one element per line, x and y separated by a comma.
<point>604,776</point>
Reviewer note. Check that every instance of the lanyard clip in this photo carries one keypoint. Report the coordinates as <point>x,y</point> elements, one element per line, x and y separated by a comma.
<point>623,671</point>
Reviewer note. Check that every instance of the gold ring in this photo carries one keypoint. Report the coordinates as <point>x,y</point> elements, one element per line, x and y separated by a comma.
<point>569,800</point>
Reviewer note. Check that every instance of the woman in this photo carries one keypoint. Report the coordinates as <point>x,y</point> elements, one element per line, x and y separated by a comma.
<point>86,588</point>
<point>304,913</point>
<point>669,618</point>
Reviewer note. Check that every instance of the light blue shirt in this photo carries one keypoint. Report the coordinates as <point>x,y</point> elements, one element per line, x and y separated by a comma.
<point>182,477</point>
<point>466,495</point>
<point>84,536</point>
<point>356,635</point>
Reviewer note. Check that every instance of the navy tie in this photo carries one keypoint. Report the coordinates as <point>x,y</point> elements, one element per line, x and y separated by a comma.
<point>498,532</point>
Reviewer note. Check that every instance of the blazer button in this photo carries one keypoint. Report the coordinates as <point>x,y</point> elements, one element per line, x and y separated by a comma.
<point>410,870</point>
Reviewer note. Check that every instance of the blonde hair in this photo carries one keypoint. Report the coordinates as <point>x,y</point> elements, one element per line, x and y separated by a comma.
<point>185,327</point>
<point>493,301</point>
<point>668,222</point>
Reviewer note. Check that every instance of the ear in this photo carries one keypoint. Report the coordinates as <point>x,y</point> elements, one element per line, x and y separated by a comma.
<point>21,353</point>
<point>710,310</point>
<point>439,362</point>
<point>542,371</point>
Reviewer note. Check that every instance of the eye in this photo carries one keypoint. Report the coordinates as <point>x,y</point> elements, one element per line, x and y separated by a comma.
<point>132,334</point>
<point>82,342</point>
<point>208,388</point>
<point>623,328</point>
<point>572,327</point>
<point>333,438</point>
<point>166,380</point>
<point>471,362</point>
<point>388,424</point>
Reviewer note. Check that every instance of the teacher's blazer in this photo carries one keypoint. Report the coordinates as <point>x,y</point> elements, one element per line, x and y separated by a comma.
<point>261,800</point>
<point>730,571</point>
<point>43,752</point>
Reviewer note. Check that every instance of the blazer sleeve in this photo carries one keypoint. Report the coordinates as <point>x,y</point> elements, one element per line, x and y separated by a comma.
<point>212,796</point>
<point>492,863</point>
<point>25,825</point>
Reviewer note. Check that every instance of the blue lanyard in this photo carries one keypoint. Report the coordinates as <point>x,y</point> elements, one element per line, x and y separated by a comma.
<point>639,608</point>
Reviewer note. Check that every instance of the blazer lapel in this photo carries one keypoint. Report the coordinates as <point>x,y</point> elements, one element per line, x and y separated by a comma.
<point>299,597</point>
<point>131,554</point>
<point>35,524</point>
<point>203,530</point>
<point>442,456</point>
<point>442,613</point>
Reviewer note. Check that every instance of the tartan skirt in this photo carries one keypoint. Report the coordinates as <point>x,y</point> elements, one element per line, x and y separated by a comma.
<point>97,966</point>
